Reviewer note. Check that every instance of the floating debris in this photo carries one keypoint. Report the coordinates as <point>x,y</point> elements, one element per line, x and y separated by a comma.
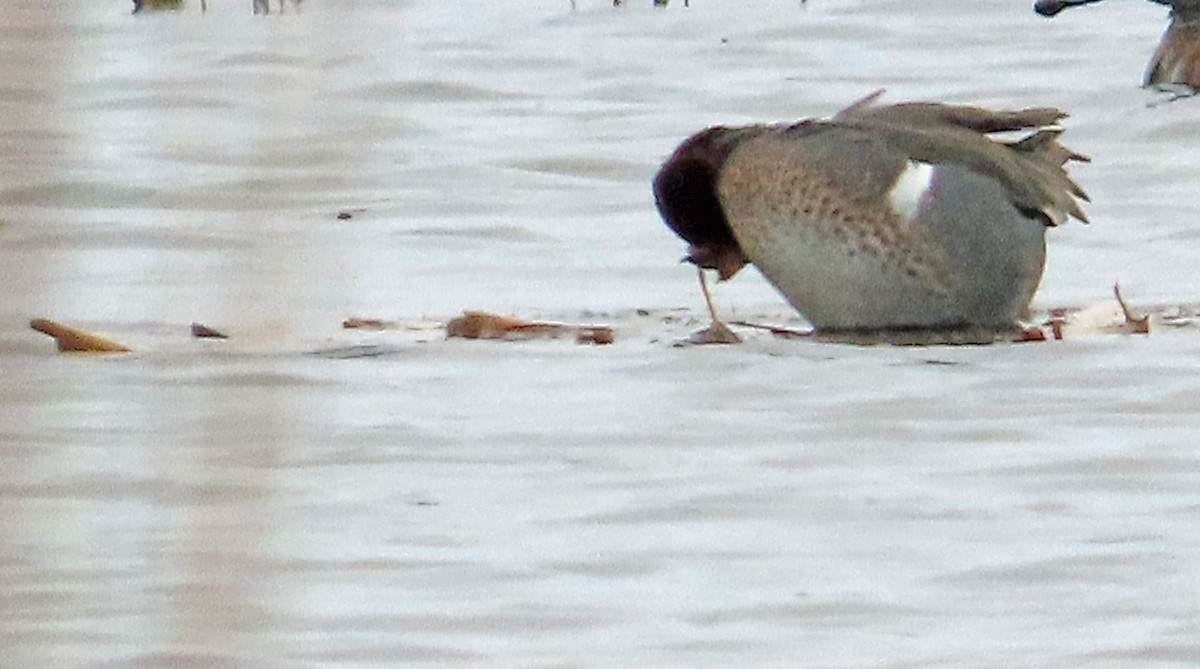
<point>366,324</point>
<point>204,332</point>
<point>484,325</point>
<point>1110,317</point>
<point>76,341</point>
<point>1133,324</point>
<point>781,332</point>
<point>355,352</point>
<point>716,333</point>
<point>356,323</point>
<point>600,336</point>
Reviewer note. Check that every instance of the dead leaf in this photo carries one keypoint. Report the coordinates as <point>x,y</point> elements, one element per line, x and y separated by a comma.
<point>76,341</point>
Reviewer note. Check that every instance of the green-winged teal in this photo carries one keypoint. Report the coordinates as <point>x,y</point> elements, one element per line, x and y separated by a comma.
<point>883,218</point>
<point>1177,59</point>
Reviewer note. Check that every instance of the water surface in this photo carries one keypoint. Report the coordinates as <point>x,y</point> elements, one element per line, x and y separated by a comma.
<point>303,496</point>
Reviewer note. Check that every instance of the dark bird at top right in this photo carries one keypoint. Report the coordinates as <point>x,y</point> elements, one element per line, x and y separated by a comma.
<point>1177,59</point>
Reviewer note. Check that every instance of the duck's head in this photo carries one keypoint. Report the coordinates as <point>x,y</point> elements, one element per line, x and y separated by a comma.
<point>685,190</point>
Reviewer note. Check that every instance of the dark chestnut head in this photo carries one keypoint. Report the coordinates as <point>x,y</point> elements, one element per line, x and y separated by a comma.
<point>685,190</point>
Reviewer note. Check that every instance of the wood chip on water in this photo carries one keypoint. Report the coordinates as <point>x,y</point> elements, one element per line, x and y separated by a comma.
<point>76,341</point>
<point>365,324</point>
<point>484,325</point>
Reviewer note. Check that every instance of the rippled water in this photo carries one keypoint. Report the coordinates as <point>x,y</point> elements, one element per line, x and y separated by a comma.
<point>301,495</point>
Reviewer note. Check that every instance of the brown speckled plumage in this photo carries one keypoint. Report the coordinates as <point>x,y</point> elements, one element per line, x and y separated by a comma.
<point>844,211</point>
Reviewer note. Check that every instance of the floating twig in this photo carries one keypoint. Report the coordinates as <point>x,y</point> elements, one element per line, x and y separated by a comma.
<point>1133,324</point>
<point>76,341</point>
<point>484,325</point>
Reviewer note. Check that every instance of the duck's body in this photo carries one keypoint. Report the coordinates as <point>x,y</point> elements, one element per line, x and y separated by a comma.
<point>1177,58</point>
<point>882,218</point>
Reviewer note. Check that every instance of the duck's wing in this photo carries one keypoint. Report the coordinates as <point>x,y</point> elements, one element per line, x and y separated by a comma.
<point>1032,169</point>
<point>967,117</point>
<point>840,183</point>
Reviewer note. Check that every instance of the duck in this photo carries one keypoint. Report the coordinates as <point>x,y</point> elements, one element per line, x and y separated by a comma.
<point>883,218</point>
<point>1177,58</point>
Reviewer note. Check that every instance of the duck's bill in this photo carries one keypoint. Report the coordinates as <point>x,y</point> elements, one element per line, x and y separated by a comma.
<point>1052,7</point>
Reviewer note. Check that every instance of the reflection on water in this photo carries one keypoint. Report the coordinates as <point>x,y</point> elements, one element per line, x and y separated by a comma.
<point>258,6</point>
<point>160,5</point>
<point>283,498</point>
